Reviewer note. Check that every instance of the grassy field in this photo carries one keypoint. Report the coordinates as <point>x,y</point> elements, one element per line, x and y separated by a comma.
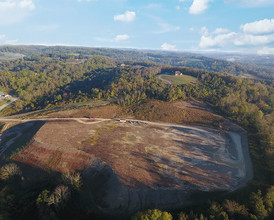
<point>179,80</point>
<point>2,102</point>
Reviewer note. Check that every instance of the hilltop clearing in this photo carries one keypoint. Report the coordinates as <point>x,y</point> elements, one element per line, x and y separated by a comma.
<point>177,80</point>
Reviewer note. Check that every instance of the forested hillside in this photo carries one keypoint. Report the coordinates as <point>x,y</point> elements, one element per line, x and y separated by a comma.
<point>171,58</point>
<point>54,79</point>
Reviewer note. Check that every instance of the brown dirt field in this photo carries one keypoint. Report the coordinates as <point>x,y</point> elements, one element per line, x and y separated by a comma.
<point>56,147</point>
<point>143,156</point>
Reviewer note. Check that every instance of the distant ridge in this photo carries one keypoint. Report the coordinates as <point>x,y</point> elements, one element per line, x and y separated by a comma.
<point>256,68</point>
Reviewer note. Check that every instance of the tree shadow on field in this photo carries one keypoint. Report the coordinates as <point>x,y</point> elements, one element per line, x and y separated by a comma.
<point>17,137</point>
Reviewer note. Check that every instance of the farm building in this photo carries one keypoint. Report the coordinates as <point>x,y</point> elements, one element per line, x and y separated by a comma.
<point>178,73</point>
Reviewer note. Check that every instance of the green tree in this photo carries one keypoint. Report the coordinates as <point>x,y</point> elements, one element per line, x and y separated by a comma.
<point>154,214</point>
<point>257,205</point>
<point>183,216</point>
<point>269,199</point>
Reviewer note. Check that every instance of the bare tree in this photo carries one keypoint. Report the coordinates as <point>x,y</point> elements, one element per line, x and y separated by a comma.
<point>59,197</point>
<point>74,179</point>
<point>9,170</point>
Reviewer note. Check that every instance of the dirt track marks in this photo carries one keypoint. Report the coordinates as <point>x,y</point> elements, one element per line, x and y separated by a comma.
<point>195,161</point>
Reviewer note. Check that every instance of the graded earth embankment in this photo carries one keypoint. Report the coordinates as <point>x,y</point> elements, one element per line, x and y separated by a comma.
<point>142,165</point>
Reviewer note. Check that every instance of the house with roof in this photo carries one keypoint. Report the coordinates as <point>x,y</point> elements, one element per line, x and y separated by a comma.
<point>178,73</point>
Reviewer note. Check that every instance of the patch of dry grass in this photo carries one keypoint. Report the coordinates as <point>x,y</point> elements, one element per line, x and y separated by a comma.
<point>182,112</point>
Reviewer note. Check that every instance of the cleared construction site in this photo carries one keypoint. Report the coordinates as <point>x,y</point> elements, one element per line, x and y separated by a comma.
<point>141,164</point>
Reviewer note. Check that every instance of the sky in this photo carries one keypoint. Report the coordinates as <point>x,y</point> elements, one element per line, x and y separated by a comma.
<point>245,26</point>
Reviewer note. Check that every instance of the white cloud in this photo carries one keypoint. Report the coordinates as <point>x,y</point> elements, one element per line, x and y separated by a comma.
<point>128,16</point>
<point>221,31</point>
<point>249,39</point>
<point>177,7</point>
<point>11,42</point>
<point>266,51</point>
<point>216,41</point>
<point>4,40</point>
<point>221,38</point>
<point>27,4</point>
<point>259,27</point>
<point>199,6</point>
<point>2,37</point>
<point>251,3</point>
<point>122,37</point>
<point>166,46</point>
<point>11,4</point>
<point>204,31</point>
<point>12,11</point>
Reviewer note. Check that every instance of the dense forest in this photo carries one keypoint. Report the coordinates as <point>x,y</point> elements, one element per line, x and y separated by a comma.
<point>262,70</point>
<point>51,79</point>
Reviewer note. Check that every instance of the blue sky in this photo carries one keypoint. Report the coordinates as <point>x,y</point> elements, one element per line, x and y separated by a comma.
<point>182,25</point>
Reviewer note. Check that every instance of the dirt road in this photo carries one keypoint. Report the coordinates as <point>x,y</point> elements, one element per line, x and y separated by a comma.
<point>8,103</point>
<point>165,80</point>
<point>59,108</point>
<point>17,134</point>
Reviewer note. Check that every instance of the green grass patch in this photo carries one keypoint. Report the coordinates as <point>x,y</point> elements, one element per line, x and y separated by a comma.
<point>95,137</point>
<point>3,102</point>
<point>179,80</point>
